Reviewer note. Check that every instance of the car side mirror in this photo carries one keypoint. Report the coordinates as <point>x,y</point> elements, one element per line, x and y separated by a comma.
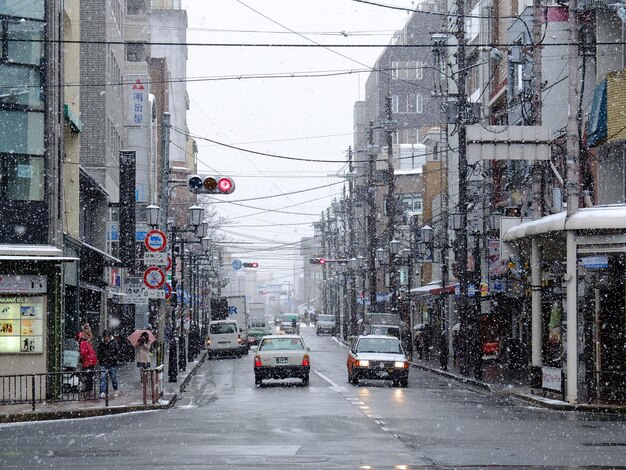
<point>308,348</point>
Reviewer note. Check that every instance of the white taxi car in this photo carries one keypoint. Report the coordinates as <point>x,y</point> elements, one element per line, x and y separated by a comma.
<point>378,357</point>
<point>281,357</point>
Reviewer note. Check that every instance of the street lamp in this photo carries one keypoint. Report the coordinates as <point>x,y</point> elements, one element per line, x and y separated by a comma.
<point>195,215</point>
<point>380,255</point>
<point>153,215</point>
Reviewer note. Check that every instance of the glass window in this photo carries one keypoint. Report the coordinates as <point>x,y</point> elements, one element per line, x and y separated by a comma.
<point>135,52</point>
<point>22,132</point>
<point>24,178</point>
<point>23,8</point>
<point>135,7</point>
<point>23,45</point>
<point>20,85</point>
<point>223,328</point>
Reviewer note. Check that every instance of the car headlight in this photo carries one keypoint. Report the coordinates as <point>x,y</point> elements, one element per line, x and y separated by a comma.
<point>363,363</point>
<point>401,364</point>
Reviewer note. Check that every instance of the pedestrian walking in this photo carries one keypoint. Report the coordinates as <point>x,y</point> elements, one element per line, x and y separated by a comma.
<point>142,352</point>
<point>88,362</point>
<point>108,356</point>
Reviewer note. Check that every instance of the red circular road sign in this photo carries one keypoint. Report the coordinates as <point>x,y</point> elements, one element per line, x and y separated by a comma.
<point>154,277</point>
<point>169,263</point>
<point>155,241</point>
<point>168,290</point>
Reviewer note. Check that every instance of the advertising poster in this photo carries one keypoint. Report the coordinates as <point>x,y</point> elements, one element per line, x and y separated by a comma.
<point>21,324</point>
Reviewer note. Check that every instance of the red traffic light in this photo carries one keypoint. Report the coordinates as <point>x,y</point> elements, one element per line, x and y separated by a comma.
<point>317,261</point>
<point>253,264</point>
<point>207,184</point>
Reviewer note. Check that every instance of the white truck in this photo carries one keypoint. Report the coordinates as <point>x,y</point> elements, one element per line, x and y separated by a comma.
<point>238,310</point>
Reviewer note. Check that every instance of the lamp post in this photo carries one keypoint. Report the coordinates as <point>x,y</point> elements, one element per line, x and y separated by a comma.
<point>153,218</point>
<point>175,363</point>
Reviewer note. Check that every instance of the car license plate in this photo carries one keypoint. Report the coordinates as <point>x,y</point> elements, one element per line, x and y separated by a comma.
<point>282,360</point>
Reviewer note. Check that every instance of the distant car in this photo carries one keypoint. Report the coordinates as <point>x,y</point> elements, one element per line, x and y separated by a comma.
<point>256,331</point>
<point>282,357</point>
<point>378,357</point>
<point>290,324</point>
<point>325,324</point>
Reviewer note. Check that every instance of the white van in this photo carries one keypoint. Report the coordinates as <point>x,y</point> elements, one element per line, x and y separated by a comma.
<point>224,338</point>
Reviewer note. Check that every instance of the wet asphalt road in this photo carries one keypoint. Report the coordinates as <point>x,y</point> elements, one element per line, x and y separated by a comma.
<point>224,421</point>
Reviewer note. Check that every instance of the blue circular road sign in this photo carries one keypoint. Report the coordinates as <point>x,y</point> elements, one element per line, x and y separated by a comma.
<point>237,264</point>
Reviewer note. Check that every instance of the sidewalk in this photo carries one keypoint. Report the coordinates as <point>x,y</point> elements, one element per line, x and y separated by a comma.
<point>130,398</point>
<point>497,379</point>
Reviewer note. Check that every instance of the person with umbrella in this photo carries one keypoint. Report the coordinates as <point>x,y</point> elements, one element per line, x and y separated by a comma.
<point>142,340</point>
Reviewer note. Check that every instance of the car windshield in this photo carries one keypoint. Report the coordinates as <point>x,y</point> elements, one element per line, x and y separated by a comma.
<point>223,328</point>
<point>281,344</point>
<point>326,318</point>
<point>378,345</point>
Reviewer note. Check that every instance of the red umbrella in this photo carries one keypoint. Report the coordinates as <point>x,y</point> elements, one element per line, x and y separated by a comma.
<point>134,337</point>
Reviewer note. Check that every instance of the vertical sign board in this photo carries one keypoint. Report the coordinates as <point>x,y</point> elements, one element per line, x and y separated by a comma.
<point>140,131</point>
<point>127,209</point>
<point>139,105</point>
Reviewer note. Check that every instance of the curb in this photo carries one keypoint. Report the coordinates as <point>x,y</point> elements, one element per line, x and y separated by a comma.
<point>85,413</point>
<point>531,399</point>
<point>187,379</point>
<point>458,378</point>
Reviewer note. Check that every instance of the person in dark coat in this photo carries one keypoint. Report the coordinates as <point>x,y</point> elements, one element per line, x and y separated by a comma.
<point>108,355</point>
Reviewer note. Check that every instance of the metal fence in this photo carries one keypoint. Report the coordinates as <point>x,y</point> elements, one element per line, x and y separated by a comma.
<point>50,387</point>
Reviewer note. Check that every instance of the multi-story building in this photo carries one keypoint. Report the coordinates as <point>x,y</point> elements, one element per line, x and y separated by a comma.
<point>33,266</point>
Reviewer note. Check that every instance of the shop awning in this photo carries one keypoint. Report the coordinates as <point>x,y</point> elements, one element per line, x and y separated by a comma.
<point>592,218</point>
<point>39,259</point>
<point>433,288</point>
<point>110,260</point>
<point>34,253</point>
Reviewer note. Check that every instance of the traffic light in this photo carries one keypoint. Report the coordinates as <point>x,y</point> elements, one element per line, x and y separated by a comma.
<point>254,264</point>
<point>207,184</point>
<point>317,261</point>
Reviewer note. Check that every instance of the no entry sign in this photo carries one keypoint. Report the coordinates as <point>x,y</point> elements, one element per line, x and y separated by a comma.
<point>154,277</point>
<point>155,240</point>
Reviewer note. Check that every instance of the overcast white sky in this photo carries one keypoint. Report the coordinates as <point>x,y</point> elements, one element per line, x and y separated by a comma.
<point>307,118</point>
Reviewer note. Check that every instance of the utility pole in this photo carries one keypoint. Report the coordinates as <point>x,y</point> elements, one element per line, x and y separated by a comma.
<point>324,285</point>
<point>468,335</point>
<point>535,255</point>
<point>371,221</point>
<point>172,365</point>
<point>390,127</point>
<point>351,243</point>
<point>572,207</point>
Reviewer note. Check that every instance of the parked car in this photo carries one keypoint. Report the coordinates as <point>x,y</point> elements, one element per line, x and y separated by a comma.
<point>281,357</point>
<point>326,324</point>
<point>224,338</point>
<point>378,357</point>
<point>290,324</point>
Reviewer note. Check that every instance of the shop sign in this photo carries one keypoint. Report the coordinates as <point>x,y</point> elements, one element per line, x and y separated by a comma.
<point>23,284</point>
<point>135,292</point>
<point>595,262</point>
<point>155,259</point>
<point>21,324</point>
<point>551,378</point>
